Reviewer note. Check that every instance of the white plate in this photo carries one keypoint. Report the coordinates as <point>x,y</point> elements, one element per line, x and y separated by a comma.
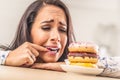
<point>81,70</point>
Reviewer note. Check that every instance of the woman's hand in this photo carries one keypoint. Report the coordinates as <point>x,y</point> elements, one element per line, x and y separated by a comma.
<point>24,55</point>
<point>48,66</point>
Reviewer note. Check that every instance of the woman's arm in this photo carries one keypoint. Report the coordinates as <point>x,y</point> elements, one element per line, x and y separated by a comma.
<point>49,66</point>
<point>111,66</point>
<point>3,56</point>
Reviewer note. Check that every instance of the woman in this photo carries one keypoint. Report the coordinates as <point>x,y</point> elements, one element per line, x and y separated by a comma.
<point>43,35</point>
<point>42,38</point>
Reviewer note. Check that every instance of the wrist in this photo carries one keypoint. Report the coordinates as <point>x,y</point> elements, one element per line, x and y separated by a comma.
<point>3,56</point>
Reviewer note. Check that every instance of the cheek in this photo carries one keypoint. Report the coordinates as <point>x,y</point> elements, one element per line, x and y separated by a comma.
<point>39,37</point>
<point>64,41</point>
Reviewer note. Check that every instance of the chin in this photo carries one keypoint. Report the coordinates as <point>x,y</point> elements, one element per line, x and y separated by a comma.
<point>50,60</point>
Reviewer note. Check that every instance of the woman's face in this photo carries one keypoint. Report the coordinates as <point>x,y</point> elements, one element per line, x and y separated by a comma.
<point>50,31</point>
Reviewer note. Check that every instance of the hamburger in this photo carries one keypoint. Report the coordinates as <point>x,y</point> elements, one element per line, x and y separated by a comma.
<point>83,54</point>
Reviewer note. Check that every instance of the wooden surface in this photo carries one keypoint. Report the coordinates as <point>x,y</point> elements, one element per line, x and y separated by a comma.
<point>18,73</point>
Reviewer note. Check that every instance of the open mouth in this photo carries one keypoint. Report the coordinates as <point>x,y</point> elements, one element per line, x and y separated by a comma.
<point>54,50</point>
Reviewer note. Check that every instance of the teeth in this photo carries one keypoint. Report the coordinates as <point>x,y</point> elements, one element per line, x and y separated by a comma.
<point>54,49</point>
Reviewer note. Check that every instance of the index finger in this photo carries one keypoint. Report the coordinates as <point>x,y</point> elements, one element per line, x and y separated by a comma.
<point>40,48</point>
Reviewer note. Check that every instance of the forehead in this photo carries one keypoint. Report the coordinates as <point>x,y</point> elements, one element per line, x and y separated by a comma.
<point>51,8</point>
<point>49,11</point>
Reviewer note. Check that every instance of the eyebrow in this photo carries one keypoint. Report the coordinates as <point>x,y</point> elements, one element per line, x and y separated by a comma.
<point>49,21</point>
<point>62,24</point>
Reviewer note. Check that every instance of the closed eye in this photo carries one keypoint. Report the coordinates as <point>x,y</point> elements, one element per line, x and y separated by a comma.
<point>62,29</point>
<point>46,27</point>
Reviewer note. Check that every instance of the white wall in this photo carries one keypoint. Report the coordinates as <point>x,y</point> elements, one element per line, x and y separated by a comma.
<point>93,20</point>
<point>10,14</point>
<point>97,21</point>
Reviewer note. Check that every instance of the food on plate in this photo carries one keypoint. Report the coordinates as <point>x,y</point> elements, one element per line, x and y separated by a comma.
<point>83,54</point>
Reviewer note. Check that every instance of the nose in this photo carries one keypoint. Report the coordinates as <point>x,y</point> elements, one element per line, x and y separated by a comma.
<point>55,36</point>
